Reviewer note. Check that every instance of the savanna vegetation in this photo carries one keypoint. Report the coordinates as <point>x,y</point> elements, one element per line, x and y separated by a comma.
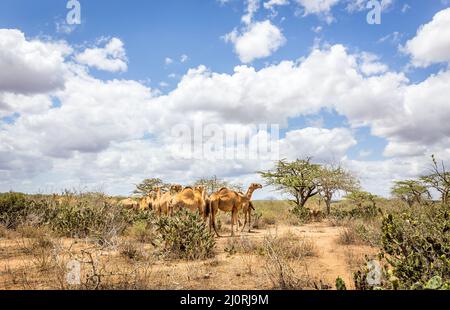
<point>326,234</point>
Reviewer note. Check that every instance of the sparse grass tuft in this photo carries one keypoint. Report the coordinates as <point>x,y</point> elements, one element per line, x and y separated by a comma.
<point>131,251</point>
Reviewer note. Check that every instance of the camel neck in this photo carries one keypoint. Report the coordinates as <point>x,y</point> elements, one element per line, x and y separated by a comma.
<point>250,193</point>
<point>158,193</point>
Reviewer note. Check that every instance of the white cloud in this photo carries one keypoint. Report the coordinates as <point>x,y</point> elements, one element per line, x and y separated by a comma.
<point>432,41</point>
<point>317,6</point>
<point>325,145</point>
<point>168,61</point>
<point>370,64</point>
<point>31,66</point>
<point>184,58</point>
<point>97,134</point>
<point>111,57</point>
<point>317,29</point>
<point>252,8</point>
<point>271,4</point>
<point>321,8</point>
<point>405,8</point>
<point>259,40</point>
<point>393,38</point>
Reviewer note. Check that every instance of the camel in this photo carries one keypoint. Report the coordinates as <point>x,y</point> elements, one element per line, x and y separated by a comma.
<point>247,210</point>
<point>146,202</point>
<point>193,199</point>
<point>129,204</point>
<point>230,201</point>
<point>247,205</point>
<point>163,203</point>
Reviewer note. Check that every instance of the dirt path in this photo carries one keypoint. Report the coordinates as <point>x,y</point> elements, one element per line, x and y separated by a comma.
<point>333,259</point>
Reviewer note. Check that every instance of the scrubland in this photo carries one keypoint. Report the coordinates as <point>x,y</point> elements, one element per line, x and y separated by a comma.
<point>44,238</point>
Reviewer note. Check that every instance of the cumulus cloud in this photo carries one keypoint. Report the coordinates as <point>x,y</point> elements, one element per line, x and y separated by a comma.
<point>271,4</point>
<point>111,57</point>
<point>252,8</point>
<point>259,40</point>
<point>326,145</point>
<point>432,41</point>
<point>30,66</point>
<point>120,131</point>
<point>321,8</point>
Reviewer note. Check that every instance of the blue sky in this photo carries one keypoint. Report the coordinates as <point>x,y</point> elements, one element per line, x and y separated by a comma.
<point>148,33</point>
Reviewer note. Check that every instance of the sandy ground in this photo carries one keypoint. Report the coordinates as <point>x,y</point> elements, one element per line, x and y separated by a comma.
<point>225,271</point>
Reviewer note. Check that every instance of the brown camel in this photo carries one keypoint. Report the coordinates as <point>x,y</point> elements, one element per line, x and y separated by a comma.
<point>163,203</point>
<point>129,204</point>
<point>193,199</point>
<point>230,201</point>
<point>247,206</point>
<point>146,203</point>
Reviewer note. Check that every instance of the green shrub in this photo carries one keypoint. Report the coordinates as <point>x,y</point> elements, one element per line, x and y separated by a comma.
<point>417,245</point>
<point>340,284</point>
<point>415,250</point>
<point>186,236</point>
<point>17,209</point>
<point>142,231</point>
<point>365,212</point>
<point>302,214</point>
<point>83,220</point>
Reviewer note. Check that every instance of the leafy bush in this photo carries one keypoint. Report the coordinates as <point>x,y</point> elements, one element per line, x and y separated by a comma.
<point>102,222</point>
<point>302,214</point>
<point>186,236</point>
<point>417,246</point>
<point>415,250</point>
<point>17,209</point>
<point>142,231</point>
<point>340,284</point>
<point>365,212</point>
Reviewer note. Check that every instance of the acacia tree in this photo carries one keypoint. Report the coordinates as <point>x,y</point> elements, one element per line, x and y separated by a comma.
<point>439,179</point>
<point>332,180</point>
<point>299,179</point>
<point>361,197</point>
<point>410,191</point>
<point>214,184</point>
<point>148,185</point>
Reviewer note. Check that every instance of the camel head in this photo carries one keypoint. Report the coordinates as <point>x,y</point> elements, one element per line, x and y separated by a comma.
<point>176,188</point>
<point>255,186</point>
<point>199,188</point>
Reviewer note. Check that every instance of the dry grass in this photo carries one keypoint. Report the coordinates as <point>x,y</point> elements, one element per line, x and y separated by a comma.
<point>277,255</point>
<point>349,236</point>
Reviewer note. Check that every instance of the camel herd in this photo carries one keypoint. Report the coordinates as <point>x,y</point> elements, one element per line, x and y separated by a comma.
<point>196,199</point>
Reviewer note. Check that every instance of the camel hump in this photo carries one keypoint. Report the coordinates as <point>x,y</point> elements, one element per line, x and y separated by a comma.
<point>223,189</point>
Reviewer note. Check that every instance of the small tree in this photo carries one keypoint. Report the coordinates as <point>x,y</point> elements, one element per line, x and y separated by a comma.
<point>332,180</point>
<point>439,179</point>
<point>147,186</point>
<point>212,184</point>
<point>299,179</point>
<point>359,198</point>
<point>410,191</point>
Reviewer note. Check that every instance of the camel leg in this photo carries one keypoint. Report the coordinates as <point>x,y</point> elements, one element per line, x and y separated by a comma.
<point>212,219</point>
<point>233,220</point>
<point>250,221</point>
<point>232,223</point>
<point>245,223</point>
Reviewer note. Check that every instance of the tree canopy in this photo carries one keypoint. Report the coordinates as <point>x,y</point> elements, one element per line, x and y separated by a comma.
<point>148,186</point>
<point>302,180</point>
<point>410,191</point>
<point>438,179</point>
<point>332,180</point>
